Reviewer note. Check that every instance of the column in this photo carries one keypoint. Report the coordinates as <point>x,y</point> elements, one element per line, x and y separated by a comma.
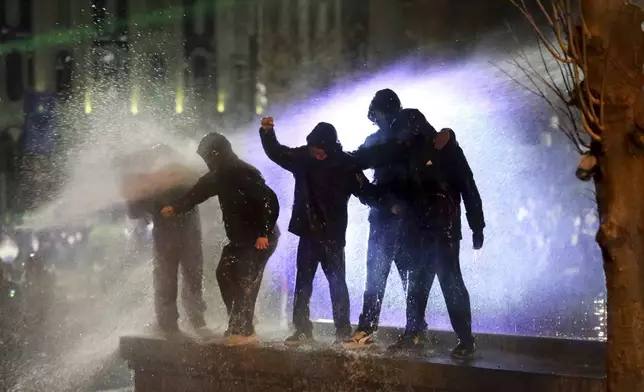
<point>43,22</point>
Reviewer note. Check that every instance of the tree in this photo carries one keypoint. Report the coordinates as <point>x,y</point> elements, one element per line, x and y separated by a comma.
<point>598,46</point>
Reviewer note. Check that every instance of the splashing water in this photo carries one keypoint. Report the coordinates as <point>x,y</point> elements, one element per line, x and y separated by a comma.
<point>516,283</point>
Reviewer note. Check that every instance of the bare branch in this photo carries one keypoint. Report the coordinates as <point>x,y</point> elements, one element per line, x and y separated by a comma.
<point>522,8</point>
<point>588,128</point>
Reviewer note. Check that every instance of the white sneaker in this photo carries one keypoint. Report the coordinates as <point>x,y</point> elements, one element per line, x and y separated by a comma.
<point>360,339</point>
<point>239,340</point>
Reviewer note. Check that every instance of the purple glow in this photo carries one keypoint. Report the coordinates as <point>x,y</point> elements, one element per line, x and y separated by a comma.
<point>539,270</point>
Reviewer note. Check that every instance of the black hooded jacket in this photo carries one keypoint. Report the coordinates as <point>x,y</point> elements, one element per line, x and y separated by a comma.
<point>322,187</point>
<point>387,177</point>
<point>438,177</point>
<point>249,207</point>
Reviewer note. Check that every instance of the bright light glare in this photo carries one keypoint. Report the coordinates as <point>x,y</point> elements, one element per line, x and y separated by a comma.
<point>179,100</point>
<point>8,249</point>
<point>88,101</point>
<point>136,97</point>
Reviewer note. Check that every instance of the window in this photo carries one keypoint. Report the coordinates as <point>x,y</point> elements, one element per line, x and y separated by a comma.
<point>158,68</point>
<point>25,15</point>
<point>31,72</point>
<point>200,68</point>
<point>98,14</point>
<point>121,16</point>
<point>64,72</point>
<point>64,10</point>
<point>13,76</point>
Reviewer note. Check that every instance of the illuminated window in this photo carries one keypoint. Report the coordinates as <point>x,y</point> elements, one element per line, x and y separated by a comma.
<point>13,76</point>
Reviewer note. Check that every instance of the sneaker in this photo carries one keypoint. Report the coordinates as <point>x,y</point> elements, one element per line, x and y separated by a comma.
<point>465,349</point>
<point>241,340</point>
<point>408,341</point>
<point>360,339</point>
<point>299,338</point>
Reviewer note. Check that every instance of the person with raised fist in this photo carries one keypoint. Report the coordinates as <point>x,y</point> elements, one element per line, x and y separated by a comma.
<point>325,179</point>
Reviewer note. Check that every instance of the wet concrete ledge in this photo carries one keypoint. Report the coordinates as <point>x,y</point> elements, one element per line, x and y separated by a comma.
<point>186,365</point>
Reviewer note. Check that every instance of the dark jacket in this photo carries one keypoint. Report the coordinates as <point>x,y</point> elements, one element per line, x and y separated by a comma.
<point>437,180</point>
<point>322,188</point>
<point>249,207</point>
<point>440,178</point>
<point>386,177</point>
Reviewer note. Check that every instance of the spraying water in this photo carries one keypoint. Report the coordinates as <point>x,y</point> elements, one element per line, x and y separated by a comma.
<point>536,213</point>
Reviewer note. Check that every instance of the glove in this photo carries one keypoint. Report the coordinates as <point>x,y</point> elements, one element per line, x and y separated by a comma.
<point>477,240</point>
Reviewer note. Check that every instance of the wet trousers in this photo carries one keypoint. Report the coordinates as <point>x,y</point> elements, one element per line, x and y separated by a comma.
<point>330,255</point>
<point>239,275</point>
<point>170,255</point>
<point>383,248</point>
<point>429,258</point>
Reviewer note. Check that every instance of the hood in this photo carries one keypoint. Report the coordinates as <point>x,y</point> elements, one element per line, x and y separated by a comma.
<point>325,137</point>
<point>385,101</point>
<point>215,149</point>
<point>411,124</point>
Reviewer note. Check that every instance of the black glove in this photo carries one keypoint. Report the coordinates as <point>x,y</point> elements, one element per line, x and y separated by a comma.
<point>477,239</point>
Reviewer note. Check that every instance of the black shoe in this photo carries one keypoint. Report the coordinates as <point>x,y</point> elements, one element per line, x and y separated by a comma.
<point>299,338</point>
<point>465,349</point>
<point>408,341</point>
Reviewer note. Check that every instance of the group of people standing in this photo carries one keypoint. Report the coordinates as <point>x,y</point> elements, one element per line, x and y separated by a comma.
<point>420,178</point>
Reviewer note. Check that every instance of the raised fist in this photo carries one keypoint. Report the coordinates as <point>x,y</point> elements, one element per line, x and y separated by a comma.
<point>267,122</point>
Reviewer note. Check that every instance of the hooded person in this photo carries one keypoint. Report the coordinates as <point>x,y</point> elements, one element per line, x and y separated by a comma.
<point>250,210</point>
<point>383,247</point>
<point>439,177</point>
<point>325,179</point>
<point>151,179</point>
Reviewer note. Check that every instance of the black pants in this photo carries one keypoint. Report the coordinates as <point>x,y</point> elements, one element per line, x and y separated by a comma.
<point>437,257</point>
<point>383,248</point>
<point>239,275</point>
<point>330,255</point>
<point>170,255</point>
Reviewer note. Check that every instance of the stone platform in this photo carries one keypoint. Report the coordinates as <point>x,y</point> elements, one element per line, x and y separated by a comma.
<point>504,363</point>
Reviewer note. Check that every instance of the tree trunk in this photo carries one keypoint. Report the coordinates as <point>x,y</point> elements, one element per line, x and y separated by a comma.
<point>620,198</point>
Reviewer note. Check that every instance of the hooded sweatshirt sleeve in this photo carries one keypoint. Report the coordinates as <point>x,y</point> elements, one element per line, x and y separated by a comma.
<point>464,179</point>
<point>369,157</point>
<point>368,193</point>
<point>276,152</point>
<point>206,187</point>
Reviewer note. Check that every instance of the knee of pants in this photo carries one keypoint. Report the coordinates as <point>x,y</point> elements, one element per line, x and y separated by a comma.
<point>336,281</point>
